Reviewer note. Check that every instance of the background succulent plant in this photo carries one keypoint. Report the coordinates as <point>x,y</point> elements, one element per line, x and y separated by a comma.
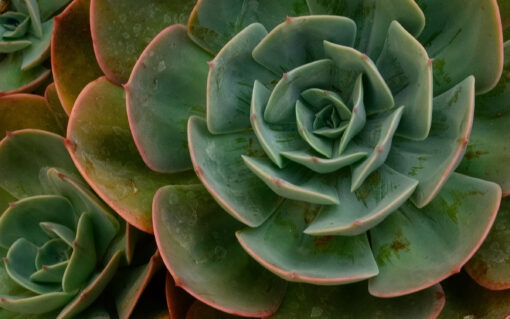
<point>26,27</point>
<point>286,88</point>
<point>65,254</point>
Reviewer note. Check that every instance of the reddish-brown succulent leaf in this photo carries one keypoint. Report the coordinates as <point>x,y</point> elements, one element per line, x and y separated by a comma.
<point>490,266</point>
<point>103,149</point>
<point>467,300</point>
<point>353,302</point>
<point>177,300</point>
<point>152,304</point>
<point>72,54</point>
<point>122,29</point>
<point>53,101</point>
<point>129,284</point>
<point>200,310</point>
<point>22,111</point>
<point>197,242</point>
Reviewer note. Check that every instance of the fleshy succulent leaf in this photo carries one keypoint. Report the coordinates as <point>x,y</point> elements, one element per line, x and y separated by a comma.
<point>83,259</point>
<point>433,160</point>
<point>99,141</point>
<point>294,181</point>
<point>351,63</point>
<point>298,41</point>
<point>457,36</point>
<point>200,310</point>
<point>36,305</point>
<point>274,139</point>
<point>39,48</point>
<point>218,163</point>
<point>466,298</point>
<point>407,69</point>
<point>489,266</point>
<point>304,120</point>
<point>162,94</point>
<point>454,226</point>
<point>19,171</point>
<point>54,104</point>
<point>280,108</point>
<point>15,80</point>
<point>320,165</point>
<point>352,301</point>
<point>381,194</point>
<point>197,241</point>
<point>372,18</point>
<point>378,134</point>
<point>282,247</point>
<point>230,81</point>
<point>23,111</point>
<point>129,28</point>
<point>178,301</point>
<point>72,53</point>
<point>486,154</point>
<point>129,283</point>
<point>32,7</point>
<point>214,23</point>
<point>93,288</point>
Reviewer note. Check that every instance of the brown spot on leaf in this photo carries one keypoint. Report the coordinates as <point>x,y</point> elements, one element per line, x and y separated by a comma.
<point>321,242</point>
<point>373,180</point>
<point>470,154</point>
<point>399,245</point>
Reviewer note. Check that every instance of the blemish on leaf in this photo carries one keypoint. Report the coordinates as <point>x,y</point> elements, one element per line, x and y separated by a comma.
<point>455,96</point>
<point>322,242</point>
<point>387,250</point>
<point>471,154</point>
<point>440,76</point>
<point>373,180</point>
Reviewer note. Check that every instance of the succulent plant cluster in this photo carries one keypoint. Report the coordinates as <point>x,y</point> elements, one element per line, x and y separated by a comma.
<point>26,27</point>
<point>292,159</point>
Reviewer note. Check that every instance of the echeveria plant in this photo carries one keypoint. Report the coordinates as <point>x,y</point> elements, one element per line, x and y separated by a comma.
<point>26,27</point>
<point>64,252</point>
<point>298,146</point>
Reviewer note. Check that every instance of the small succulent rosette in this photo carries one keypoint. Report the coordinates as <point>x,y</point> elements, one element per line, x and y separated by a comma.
<point>60,245</point>
<point>26,28</point>
<point>325,134</point>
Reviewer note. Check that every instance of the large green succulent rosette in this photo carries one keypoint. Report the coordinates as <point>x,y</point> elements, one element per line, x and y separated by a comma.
<point>26,27</point>
<point>328,131</point>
